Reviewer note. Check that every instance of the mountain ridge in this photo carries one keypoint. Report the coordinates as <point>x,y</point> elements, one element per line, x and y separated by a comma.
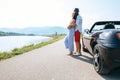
<point>37,30</point>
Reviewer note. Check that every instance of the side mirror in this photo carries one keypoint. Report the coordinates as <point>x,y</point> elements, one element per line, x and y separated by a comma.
<point>86,31</point>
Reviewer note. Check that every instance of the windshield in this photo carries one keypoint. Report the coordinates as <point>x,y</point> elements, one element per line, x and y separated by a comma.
<point>102,27</point>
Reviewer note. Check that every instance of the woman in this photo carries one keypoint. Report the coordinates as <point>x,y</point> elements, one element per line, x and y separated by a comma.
<point>69,40</point>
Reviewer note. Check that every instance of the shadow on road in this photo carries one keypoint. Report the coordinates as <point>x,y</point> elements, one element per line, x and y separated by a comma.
<point>84,58</point>
<point>114,75</point>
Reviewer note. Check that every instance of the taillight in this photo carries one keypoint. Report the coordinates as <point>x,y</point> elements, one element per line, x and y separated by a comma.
<point>118,35</point>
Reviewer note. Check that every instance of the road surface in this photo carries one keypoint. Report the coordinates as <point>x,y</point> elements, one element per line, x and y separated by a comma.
<point>51,63</point>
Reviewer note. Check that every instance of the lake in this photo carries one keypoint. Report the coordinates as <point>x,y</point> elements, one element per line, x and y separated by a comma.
<point>8,43</point>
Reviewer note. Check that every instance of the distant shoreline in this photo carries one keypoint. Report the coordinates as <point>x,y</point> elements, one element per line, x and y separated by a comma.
<point>8,43</point>
<point>18,51</point>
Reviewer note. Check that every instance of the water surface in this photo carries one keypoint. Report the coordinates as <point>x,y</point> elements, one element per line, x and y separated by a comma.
<point>8,43</point>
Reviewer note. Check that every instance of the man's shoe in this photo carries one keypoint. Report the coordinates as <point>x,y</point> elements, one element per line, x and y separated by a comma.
<point>77,54</point>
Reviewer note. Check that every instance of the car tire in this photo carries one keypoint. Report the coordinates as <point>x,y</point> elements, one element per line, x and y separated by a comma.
<point>98,61</point>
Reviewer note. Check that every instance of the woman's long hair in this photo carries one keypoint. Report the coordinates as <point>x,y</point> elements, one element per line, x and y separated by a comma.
<point>75,16</point>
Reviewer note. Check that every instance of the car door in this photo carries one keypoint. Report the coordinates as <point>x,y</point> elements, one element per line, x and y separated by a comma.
<point>91,35</point>
<point>87,39</point>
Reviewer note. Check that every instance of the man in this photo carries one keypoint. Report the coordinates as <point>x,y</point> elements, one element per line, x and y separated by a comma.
<point>78,31</point>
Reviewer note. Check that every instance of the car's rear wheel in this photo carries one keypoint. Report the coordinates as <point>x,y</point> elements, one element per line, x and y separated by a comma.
<point>98,61</point>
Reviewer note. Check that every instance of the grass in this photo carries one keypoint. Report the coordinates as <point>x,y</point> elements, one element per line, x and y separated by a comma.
<point>18,51</point>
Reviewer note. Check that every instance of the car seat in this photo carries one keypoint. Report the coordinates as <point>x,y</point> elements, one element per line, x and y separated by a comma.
<point>109,26</point>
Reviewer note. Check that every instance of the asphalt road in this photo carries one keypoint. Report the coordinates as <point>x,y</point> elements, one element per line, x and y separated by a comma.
<point>51,63</point>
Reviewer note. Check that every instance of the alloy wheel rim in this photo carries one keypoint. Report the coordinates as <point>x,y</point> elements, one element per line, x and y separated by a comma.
<point>96,60</point>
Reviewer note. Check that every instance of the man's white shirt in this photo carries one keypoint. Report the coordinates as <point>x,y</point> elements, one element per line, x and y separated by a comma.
<point>78,23</point>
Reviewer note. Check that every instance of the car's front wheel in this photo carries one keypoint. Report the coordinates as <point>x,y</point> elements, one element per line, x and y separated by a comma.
<point>98,61</point>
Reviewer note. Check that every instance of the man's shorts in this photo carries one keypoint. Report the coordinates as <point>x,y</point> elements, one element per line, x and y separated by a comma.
<point>77,36</point>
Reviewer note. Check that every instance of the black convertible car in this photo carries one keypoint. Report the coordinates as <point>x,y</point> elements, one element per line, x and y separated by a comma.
<point>103,43</point>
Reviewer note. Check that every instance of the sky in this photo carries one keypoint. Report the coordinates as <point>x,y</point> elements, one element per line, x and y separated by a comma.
<point>38,13</point>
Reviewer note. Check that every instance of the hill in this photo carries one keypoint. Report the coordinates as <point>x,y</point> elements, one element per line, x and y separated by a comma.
<point>37,30</point>
<point>13,34</point>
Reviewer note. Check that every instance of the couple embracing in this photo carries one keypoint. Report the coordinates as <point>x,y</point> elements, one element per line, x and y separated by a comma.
<point>75,30</point>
